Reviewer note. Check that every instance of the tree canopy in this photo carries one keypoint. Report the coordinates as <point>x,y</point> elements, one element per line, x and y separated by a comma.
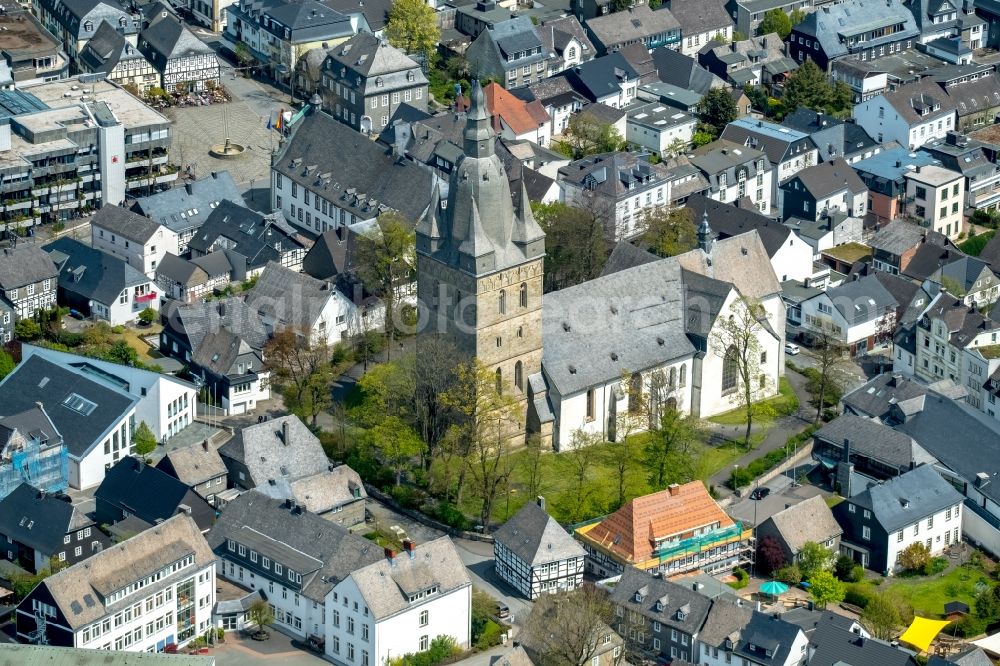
<point>716,110</point>
<point>776,20</point>
<point>412,27</point>
<point>809,87</point>
<point>587,135</point>
<point>575,244</point>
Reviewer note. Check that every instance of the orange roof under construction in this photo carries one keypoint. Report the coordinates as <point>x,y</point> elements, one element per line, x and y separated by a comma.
<point>515,113</point>
<point>630,532</point>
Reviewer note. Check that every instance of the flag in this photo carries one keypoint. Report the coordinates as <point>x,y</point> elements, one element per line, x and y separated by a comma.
<point>270,125</point>
<point>281,120</point>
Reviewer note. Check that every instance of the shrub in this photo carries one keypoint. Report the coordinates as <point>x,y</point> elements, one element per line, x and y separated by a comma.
<point>490,635</point>
<point>935,566</point>
<point>970,626</point>
<point>789,574</point>
<point>914,557</point>
<point>859,594</point>
<point>407,497</point>
<point>742,579</point>
<point>843,568</point>
<point>147,316</point>
<point>450,515</point>
<point>857,573</point>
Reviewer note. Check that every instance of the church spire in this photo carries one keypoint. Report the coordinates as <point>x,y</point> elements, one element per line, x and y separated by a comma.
<point>479,136</point>
<point>705,234</point>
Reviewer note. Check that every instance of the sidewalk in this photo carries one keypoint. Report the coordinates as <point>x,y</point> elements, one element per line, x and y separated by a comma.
<point>777,436</point>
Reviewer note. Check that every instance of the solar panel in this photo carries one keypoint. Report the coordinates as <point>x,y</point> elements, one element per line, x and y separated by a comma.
<point>89,600</point>
<point>76,607</point>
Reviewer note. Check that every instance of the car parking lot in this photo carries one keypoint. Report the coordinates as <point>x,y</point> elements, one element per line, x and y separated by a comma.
<point>783,494</point>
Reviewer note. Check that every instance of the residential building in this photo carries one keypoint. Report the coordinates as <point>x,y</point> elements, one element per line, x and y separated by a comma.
<point>684,72</point>
<point>971,279</point>
<point>109,53</point>
<point>972,89</point>
<point>199,467</point>
<point>360,181</point>
<point>895,245</point>
<point>279,32</point>
<point>153,590</point>
<point>938,199</point>
<point>535,555</point>
<point>293,557</point>
<point>365,80</point>
<point>791,257</point>
<point>568,41</point>
<point>858,313</point>
<point>249,240</point>
<point>514,118</point>
<point>883,520</point>
<point>884,175</point>
<point>853,28</point>
<point>136,239</point>
<point>475,18</point>
<point>75,25</point>
<point>190,281</point>
<point>626,185</point>
<point>911,115</point>
<point>94,439</point>
<point>834,137</point>
<point>184,209</point>
<point>411,598</point>
<point>314,308</point>
<point>700,23</point>
<point>37,530</point>
<point>336,494</point>
<point>747,14</point>
<point>637,24</point>
<point>166,404</point>
<point>210,14</point>
<point>133,488</point>
<point>662,129</point>
<point>674,531</point>
<point>969,157</point>
<point>808,521</point>
<point>28,281</point>
<point>279,449</point>
<point>222,344</point>
<point>32,451</point>
<point>32,54</point>
<point>686,180</point>
<point>181,60</point>
<point>830,644</point>
<point>788,151</point>
<point>99,285</point>
<point>609,80</point>
<point>511,53</point>
<point>735,171</point>
<point>658,617</point>
<point>71,145</point>
<point>868,446</point>
<point>825,189</point>
<point>755,638</point>
<point>755,61</point>
<point>865,78</point>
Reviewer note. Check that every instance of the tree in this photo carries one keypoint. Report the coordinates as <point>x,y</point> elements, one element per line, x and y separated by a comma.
<point>987,604</point>
<point>796,16</point>
<point>386,390</point>
<point>243,56</point>
<point>633,417</point>
<point>789,574</point>
<point>670,453</point>
<point>701,137</point>
<point>488,416</point>
<point>581,460</point>
<point>667,231</point>
<point>828,353</point>
<point>147,316</point>
<point>915,556</point>
<point>302,367</point>
<point>843,568</point>
<point>813,558</point>
<point>7,363</point>
<point>397,443</point>
<point>531,464</point>
<point>587,135</point>
<point>385,259</point>
<point>675,148</point>
<point>770,554</point>
<point>144,439</point>
<point>716,110</point>
<point>808,87</point>
<point>880,617</point>
<point>261,615</point>
<point>824,588</point>
<point>28,330</point>
<point>736,342</point>
<point>122,353</point>
<point>576,243</point>
<point>775,20</point>
<point>567,629</point>
<point>435,369</point>
<point>412,27</point>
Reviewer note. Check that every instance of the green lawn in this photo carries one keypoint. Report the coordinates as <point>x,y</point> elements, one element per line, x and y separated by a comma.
<point>929,594</point>
<point>783,404</point>
<point>834,500</point>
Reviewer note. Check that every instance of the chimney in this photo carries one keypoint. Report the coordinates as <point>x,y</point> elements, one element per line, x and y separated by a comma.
<point>410,546</point>
<point>847,450</point>
<point>184,508</point>
<point>204,445</point>
<point>918,168</point>
<point>673,489</point>
<point>389,553</point>
<point>215,174</point>
<point>541,502</point>
<point>898,164</point>
<point>284,433</point>
<point>982,478</point>
<point>289,503</point>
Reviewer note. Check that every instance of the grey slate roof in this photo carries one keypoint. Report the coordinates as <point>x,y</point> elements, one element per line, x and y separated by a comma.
<point>261,448</point>
<point>344,166</point>
<point>636,23</point>
<point>181,271</point>
<point>535,538</point>
<point>700,16</point>
<point>677,69</point>
<point>727,221</point>
<point>779,143</point>
<point>872,439</point>
<point>330,551</point>
<point>37,380</point>
<point>829,177</point>
<point>36,519</point>
<point>123,222</point>
<point>168,39</point>
<point>809,520</point>
<point>970,655</point>
<point>627,255</point>
<point>150,494</point>
<point>214,264</point>
<point>602,76</point>
<point>31,424</point>
<point>834,645</point>
<point>875,397</point>
<point>908,498</point>
<point>25,264</point>
<point>92,274</point>
<point>897,237</point>
<point>557,33</point>
<point>862,300</point>
<point>187,207</point>
<point>259,238</point>
<point>298,299</point>
<point>834,23</point>
<point>723,620</point>
<point>924,93</point>
<point>373,58</point>
<point>219,332</point>
<point>194,464</point>
<point>767,639</point>
<point>105,49</point>
<point>671,596</point>
<point>321,492</point>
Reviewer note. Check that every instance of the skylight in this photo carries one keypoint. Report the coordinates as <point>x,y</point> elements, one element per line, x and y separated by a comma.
<point>79,404</point>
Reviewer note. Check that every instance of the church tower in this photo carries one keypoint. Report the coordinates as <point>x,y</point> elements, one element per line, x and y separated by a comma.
<point>479,263</point>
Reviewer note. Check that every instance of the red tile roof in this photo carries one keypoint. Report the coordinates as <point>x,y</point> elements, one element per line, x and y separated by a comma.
<point>520,116</point>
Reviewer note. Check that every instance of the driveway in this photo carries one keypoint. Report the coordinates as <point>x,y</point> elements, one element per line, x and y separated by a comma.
<point>783,495</point>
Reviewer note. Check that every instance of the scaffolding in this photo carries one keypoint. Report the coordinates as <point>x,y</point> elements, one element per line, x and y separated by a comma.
<point>44,467</point>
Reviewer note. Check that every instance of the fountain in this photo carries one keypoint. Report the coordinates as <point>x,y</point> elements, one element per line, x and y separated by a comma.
<point>227,150</point>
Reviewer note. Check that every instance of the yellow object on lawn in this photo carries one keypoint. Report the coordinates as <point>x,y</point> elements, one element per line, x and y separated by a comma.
<point>922,632</point>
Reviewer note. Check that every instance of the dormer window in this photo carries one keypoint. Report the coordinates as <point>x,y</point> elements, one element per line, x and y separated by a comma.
<point>88,26</point>
<point>379,82</point>
<point>123,22</point>
<point>638,597</point>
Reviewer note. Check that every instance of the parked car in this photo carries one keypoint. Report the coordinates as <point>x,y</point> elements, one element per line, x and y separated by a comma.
<point>791,349</point>
<point>503,610</point>
<point>760,493</point>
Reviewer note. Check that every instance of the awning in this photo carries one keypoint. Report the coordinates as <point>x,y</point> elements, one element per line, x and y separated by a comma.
<point>145,298</point>
<point>922,632</point>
